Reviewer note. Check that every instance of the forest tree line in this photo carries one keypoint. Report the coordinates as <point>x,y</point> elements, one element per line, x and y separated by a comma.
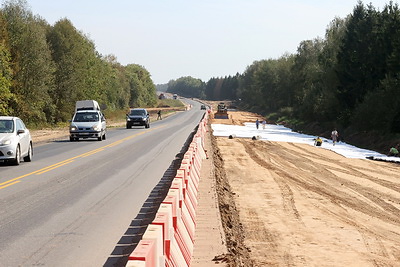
<point>45,69</point>
<point>349,78</point>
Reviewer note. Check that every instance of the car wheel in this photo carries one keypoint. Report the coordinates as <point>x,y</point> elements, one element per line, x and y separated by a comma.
<point>71,139</point>
<point>100,138</point>
<point>17,159</point>
<point>29,157</point>
<point>104,136</point>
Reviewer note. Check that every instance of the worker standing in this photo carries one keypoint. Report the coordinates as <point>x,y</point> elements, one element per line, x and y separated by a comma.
<point>334,136</point>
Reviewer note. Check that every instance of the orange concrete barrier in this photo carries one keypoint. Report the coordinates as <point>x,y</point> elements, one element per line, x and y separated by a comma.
<point>189,220</point>
<point>173,201</point>
<point>176,189</point>
<point>136,264</point>
<point>184,241</point>
<point>145,251</point>
<point>169,239</point>
<point>176,258</point>
<point>155,233</point>
<point>166,223</point>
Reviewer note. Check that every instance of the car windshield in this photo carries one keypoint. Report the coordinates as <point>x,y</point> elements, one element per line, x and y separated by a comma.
<point>6,126</point>
<point>137,112</point>
<point>86,117</point>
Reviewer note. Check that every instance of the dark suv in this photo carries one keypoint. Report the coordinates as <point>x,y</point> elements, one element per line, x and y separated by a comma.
<point>137,117</point>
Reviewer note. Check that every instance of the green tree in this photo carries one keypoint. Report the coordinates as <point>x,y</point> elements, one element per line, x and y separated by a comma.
<point>5,69</point>
<point>142,88</point>
<point>115,83</point>
<point>78,68</point>
<point>188,87</point>
<point>361,59</point>
<point>307,75</point>
<point>249,93</point>
<point>328,106</point>
<point>31,63</point>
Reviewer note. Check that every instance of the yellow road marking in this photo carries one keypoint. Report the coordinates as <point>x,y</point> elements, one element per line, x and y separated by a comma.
<point>55,167</point>
<point>67,161</point>
<point>1,187</point>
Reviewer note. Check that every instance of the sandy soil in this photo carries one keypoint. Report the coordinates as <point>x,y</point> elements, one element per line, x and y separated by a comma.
<point>286,204</point>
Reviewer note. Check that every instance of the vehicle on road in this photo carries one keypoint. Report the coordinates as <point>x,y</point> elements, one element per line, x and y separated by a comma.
<point>88,124</point>
<point>15,141</point>
<point>203,107</point>
<point>138,117</point>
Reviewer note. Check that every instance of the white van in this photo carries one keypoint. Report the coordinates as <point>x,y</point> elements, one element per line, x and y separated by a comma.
<point>88,121</point>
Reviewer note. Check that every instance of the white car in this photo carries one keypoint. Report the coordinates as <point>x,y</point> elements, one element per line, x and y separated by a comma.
<point>15,141</point>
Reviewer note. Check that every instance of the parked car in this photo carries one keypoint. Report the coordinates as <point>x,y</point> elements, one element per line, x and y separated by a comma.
<point>137,117</point>
<point>15,141</point>
<point>87,124</point>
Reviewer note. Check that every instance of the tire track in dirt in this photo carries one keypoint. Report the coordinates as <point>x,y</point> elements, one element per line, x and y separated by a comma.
<point>374,196</point>
<point>286,192</point>
<point>388,212</point>
<point>376,251</point>
<point>314,183</point>
<point>351,170</point>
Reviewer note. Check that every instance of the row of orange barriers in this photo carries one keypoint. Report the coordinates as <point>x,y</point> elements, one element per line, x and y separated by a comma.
<point>169,239</point>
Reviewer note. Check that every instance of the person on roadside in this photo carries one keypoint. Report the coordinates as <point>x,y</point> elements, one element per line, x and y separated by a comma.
<point>318,141</point>
<point>257,123</point>
<point>334,136</point>
<point>159,115</point>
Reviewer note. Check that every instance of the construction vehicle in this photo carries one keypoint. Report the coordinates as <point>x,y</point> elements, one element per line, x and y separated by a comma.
<point>222,111</point>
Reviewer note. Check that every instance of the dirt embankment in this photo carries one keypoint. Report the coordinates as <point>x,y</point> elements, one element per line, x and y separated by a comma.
<point>287,204</point>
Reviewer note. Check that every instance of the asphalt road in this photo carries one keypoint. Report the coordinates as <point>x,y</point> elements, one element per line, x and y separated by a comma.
<point>76,203</point>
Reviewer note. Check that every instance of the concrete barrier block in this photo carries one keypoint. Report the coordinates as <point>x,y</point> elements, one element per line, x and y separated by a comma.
<point>145,251</point>
<point>135,264</point>
<point>155,233</point>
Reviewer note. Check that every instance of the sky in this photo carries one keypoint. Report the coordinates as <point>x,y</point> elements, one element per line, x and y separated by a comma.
<point>203,38</point>
<point>279,133</point>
